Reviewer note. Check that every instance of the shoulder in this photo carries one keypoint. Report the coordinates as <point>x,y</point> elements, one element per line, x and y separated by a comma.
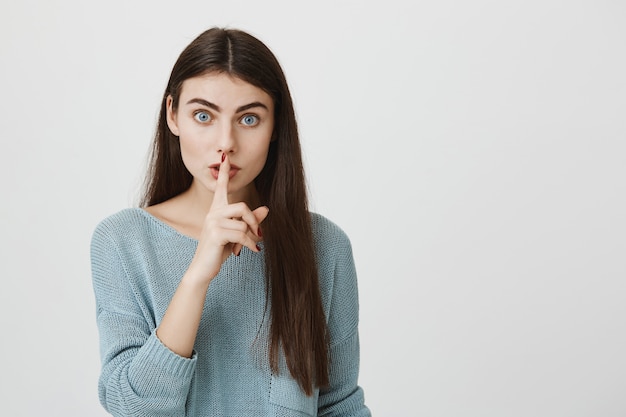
<point>326,233</point>
<point>122,223</point>
<point>131,227</point>
<point>332,245</point>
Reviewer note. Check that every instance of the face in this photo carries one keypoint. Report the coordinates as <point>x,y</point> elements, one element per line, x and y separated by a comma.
<point>217,114</point>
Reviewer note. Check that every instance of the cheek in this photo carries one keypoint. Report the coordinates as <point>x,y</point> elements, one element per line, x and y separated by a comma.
<point>261,159</point>
<point>190,152</point>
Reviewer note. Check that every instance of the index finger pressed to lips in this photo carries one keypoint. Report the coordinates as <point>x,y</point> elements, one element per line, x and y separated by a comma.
<point>221,189</point>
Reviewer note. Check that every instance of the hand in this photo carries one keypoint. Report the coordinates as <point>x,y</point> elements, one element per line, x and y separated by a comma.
<point>227,228</point>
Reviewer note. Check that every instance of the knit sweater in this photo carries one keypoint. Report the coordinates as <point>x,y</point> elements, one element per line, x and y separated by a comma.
<point>137,262</point>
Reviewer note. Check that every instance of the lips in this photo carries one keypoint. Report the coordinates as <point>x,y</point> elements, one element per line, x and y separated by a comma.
<point>215,169</point>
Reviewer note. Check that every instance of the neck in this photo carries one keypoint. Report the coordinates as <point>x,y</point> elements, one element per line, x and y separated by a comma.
<point>198,199</point>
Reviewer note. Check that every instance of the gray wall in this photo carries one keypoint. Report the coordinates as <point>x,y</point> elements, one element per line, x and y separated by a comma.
<point>473,151</point>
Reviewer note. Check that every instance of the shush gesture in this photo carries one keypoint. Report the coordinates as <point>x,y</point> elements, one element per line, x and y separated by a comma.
<point>227,228</point>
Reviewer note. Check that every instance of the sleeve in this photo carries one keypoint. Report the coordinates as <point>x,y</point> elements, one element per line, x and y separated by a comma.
<point>343,397</point>
<point>140,376</point>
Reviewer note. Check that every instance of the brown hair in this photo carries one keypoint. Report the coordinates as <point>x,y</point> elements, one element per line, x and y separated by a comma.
<point>297,320</point>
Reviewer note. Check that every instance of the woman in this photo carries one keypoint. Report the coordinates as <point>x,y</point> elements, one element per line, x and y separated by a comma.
<point>206,306</point>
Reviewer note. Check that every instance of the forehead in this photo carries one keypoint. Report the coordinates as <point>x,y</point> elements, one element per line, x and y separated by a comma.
<point>223,90</point>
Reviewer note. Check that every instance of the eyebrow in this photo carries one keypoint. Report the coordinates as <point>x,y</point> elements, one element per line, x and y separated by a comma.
<point>218,109</point>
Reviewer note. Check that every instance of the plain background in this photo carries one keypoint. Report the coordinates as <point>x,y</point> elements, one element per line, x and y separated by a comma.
<point>474,151</point>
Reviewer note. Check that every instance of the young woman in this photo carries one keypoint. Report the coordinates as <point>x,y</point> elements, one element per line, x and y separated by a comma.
<point>223,295</point>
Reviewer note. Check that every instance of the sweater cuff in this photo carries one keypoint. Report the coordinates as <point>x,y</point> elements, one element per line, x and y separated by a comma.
<point>157,371</point>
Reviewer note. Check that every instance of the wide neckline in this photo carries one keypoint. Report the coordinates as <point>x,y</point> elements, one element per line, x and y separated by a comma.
<point>171,229</point>
<point>164,225</point>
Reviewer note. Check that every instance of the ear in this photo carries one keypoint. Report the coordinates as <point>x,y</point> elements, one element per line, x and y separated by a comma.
<point>171,116</point>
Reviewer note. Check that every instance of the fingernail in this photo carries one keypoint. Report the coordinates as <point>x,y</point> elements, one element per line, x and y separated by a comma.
<point>259,233</point>
<point>223,157</point>
<point>258,248</point>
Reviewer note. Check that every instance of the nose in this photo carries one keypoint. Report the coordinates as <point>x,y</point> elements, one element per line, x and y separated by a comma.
<point>226,142</point>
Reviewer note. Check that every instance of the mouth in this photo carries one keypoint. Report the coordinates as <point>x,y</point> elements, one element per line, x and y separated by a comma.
<point>215,170</point>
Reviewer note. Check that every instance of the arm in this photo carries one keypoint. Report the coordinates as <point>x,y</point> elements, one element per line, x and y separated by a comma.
<point>140,376</point>
<point>343,397</point>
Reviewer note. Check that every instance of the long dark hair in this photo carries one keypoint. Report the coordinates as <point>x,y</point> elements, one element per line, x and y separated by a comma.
<point>297,320</point>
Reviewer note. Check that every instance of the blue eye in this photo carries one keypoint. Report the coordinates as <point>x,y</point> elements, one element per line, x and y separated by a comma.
<point>202,116</point>
<point>250,120</point>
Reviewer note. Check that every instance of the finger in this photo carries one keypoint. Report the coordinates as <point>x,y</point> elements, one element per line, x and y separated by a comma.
<point>260,213</point>
<point>233,224</point>
<point>242,239</point>
<point>254,219</point>
<point>242,212</point>
<point>220,198</point>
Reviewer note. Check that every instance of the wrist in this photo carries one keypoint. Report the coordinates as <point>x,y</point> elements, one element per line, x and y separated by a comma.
<point>196,278</point>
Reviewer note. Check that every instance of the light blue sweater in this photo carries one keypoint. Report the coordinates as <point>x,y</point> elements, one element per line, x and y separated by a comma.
<point>137,262</point>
